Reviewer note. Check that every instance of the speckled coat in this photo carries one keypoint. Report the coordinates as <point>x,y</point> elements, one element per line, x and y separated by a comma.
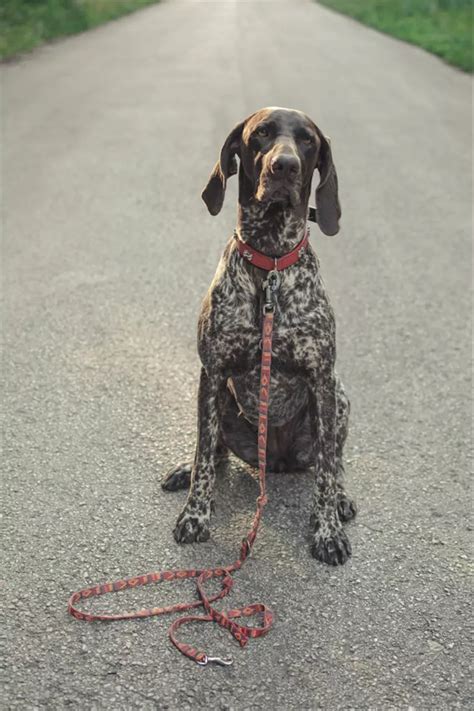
<point>308,412</point>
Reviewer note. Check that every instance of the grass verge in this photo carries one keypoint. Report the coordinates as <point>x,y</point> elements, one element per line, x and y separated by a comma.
<point>25,24</point>
<point>443,27</point>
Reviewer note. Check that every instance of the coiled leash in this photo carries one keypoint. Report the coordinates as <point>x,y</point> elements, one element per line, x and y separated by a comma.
<point>242,633</point>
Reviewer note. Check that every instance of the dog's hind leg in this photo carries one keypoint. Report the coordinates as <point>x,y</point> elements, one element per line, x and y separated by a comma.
<point>180,477</point>
<point>177,478</point>
<point>346,507</point>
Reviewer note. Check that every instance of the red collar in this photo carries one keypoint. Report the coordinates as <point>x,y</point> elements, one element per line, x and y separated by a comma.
<point>269,263</point>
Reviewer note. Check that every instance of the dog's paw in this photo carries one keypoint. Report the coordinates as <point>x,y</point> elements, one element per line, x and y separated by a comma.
<point>333,549</point>
<point>346,507</point>
<point>192,527</point>
<point>177,478</point>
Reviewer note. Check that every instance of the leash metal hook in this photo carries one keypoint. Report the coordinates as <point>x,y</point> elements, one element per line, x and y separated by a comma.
<point>216,660</point>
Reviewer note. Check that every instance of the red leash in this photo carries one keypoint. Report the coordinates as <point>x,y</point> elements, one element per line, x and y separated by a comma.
<point>242,633</point>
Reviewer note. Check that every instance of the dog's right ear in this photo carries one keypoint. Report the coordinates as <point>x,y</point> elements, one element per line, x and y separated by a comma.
<point>213,193</point>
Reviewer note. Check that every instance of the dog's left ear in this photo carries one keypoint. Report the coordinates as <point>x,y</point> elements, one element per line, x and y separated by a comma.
<point>214,192</point>
<point>327,199</point>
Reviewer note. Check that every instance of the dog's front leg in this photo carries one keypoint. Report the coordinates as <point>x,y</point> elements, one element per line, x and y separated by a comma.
<point>193,521</point>
<point>330,543</point>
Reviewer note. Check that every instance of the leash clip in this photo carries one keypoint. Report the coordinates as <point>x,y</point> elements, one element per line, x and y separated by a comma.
<point>216,660</point>
<point>271,286</point>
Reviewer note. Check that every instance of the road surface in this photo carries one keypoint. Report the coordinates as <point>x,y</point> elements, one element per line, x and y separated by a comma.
<point>108,140</point>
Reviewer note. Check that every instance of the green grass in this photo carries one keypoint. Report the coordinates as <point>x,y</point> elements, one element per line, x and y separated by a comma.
<point>443,27</point>
<point>25,24</point>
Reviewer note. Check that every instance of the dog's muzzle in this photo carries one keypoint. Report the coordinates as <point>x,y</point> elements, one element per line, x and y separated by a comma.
<point>280,180</point>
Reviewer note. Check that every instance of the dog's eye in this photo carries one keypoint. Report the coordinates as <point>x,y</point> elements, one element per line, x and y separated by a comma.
<point>262,131</point>
<point>307,139</point>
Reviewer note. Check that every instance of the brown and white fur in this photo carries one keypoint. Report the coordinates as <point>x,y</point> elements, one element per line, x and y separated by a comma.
<point>279,150</point>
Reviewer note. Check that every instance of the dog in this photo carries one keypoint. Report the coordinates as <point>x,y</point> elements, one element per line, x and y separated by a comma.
<point>279,150</point>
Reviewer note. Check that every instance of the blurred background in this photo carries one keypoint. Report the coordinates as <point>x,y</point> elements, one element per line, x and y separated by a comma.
<point>443,27</point>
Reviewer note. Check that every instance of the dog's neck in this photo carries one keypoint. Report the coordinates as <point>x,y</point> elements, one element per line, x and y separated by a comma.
<point>271,229</point>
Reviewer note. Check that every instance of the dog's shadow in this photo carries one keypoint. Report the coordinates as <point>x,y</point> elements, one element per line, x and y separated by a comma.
<point>284,529</point>
<point>286,514</point>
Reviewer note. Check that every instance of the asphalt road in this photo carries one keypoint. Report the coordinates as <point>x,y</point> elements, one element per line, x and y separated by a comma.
<point>108,250</point>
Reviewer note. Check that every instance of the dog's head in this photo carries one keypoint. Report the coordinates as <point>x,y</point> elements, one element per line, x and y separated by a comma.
<point>279,150</point>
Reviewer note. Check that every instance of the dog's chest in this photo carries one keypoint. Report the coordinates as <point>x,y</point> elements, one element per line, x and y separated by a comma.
<point>237,318</point>
<point>231,322</point>
<point>230,338</point>
<point>238,325</point>
<point>288,392</point>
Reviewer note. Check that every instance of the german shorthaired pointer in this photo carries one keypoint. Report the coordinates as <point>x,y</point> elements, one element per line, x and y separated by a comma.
<point>279,149</point>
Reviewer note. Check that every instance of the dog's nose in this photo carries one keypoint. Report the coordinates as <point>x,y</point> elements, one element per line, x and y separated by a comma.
<point>285,165</point>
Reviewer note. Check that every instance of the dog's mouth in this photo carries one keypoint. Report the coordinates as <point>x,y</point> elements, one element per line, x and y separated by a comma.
<point>270,193</point>
<point>280,194</point>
